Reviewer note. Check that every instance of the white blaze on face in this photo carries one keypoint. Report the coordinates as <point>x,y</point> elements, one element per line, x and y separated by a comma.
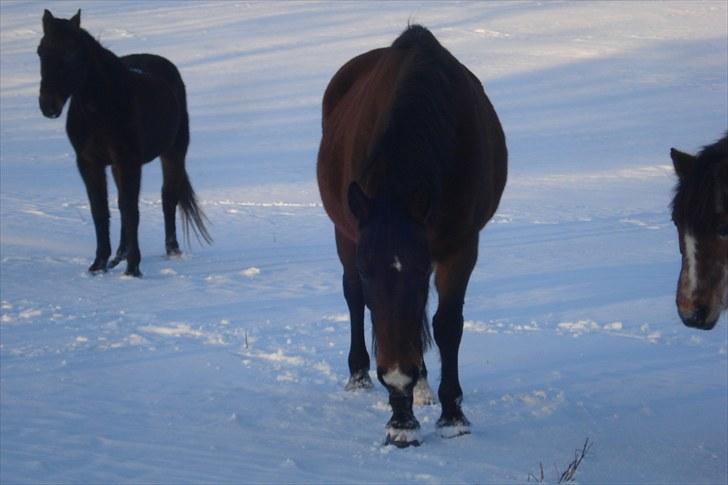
<point>396,379</point>
<point>397,264</point>
<point>691,261</point>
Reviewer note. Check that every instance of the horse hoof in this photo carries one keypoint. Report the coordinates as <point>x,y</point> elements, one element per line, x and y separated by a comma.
<point>174,253</point>
<point>403,438</point>
<point>422,394</point>
<point>98,267</point>
<point>453,427</point>
<point>359,381</point>
<point>115,262</point>
<point>133,272</point>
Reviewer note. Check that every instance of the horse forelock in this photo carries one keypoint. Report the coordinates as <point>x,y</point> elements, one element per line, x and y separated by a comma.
<point>702,196</point>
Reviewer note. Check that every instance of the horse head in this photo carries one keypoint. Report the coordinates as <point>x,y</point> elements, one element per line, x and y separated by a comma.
<point>63,63</point>
<point>700,213</point>
<point>394,265</point>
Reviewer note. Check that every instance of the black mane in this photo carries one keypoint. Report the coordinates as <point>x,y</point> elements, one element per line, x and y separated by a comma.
<point>419,136</point>
<point>694,203</point>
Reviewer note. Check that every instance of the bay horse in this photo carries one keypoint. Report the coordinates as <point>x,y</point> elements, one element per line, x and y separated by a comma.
<point>124,112</point>
<point>411,166</point>
<point>700,213</point>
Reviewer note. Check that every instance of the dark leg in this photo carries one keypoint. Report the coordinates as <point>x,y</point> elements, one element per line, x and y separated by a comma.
<point>172,171</point>
<point>130,176</point>
<point>451,280</point>
<point>94,177</point>
<point>402,428</point>
<point>121,250</point>
<point>358,356</point>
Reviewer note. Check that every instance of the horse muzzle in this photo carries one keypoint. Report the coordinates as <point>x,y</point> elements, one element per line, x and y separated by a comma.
<point>50,106</point>
<point>698,318</point>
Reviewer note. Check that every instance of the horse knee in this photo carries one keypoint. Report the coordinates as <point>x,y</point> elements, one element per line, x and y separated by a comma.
<point>447,326</point>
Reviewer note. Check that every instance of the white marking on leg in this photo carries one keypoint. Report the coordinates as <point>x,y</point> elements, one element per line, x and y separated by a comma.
<point>397,264</point>
<point>691,253</point>
<point>397,379</point>
<point>422,394</point>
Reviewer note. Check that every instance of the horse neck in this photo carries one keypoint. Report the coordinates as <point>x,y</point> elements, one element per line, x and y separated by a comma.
<point>106,76</point>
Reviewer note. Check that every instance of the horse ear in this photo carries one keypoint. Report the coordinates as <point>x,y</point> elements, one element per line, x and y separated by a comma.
<point>359,204</point>
<point>47,17</point>
<point>683,162</point>
<point>76,19</point>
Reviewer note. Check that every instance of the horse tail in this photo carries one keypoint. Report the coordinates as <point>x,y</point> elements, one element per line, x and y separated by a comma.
<point>192,215</point>
<point>193,218</point>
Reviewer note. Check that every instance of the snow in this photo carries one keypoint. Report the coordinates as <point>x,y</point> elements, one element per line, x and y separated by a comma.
<point>229,363</point>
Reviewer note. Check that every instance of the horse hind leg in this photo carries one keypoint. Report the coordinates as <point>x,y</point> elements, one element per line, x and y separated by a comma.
<point>422,393</point>
<point>172,171</point>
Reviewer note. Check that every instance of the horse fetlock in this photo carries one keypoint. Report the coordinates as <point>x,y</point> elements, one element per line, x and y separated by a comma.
<point>359,380</point>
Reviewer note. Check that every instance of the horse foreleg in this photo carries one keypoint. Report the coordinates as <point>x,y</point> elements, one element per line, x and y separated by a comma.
<point>403,429</point>
<point>121,250</point>
<point>451,281</point>
<point>130,176</point>
<point>358,356</point>
<point>94,178</point>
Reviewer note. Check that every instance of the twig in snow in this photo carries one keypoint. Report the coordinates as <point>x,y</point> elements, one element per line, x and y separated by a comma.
<point>535,478</point>
<point>570,471</point>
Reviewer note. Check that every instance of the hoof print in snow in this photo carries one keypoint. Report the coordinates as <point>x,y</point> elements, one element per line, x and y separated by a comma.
<point>359,381</point>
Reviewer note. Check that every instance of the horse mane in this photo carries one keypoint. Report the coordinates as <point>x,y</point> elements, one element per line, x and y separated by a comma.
<point>114,69</point>
<point>694,201</point>
<point>417,138</point>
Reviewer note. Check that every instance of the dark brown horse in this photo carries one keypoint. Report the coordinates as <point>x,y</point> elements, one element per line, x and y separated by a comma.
<point>411,166</point>
<point>124,112</point>
<point>700,212</point>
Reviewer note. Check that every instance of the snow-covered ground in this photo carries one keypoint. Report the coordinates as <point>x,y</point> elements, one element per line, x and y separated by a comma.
<point>229,364</point>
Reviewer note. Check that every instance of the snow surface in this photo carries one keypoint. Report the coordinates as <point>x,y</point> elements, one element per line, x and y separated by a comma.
<point>228,364</point>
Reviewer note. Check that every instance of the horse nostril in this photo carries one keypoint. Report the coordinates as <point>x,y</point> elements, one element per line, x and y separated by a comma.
<point>700,314</point>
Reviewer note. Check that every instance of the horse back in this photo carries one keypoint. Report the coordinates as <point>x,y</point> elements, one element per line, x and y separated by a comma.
<point>159,100</point>
<point>357,108</point>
